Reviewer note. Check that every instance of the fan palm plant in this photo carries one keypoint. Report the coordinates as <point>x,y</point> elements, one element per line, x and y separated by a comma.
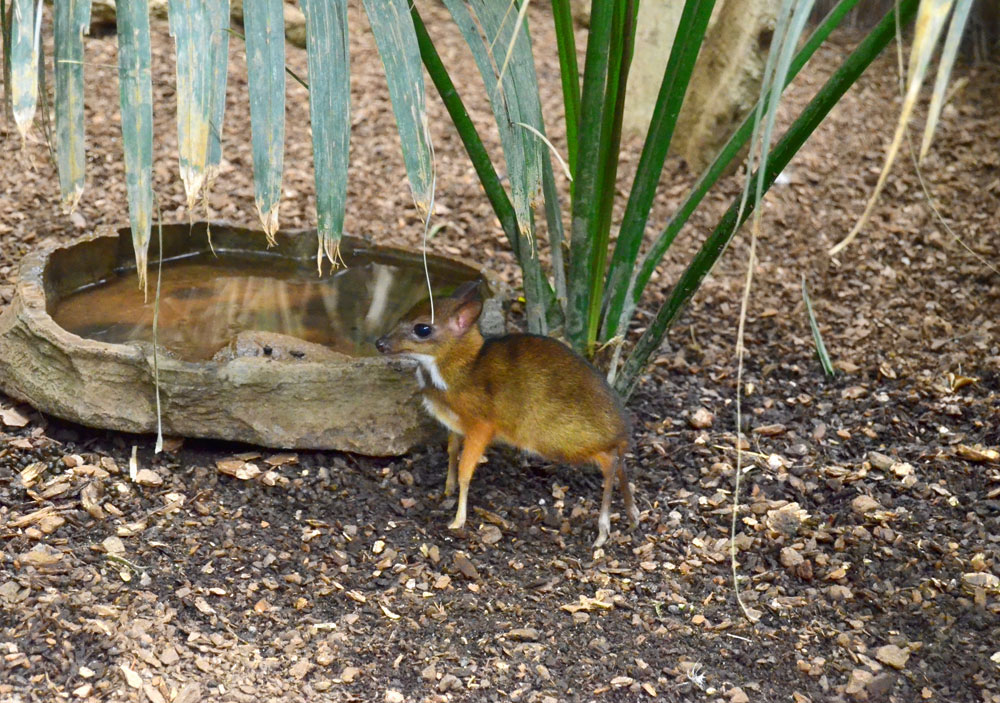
<point>592,291</point>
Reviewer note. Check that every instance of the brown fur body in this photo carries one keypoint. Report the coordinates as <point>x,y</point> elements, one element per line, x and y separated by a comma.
<point>528,391</point>
<point>539,396</point>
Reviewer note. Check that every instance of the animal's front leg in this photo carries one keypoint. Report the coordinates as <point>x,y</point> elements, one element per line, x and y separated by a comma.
<point>454,446</point>
<point>476,440</point>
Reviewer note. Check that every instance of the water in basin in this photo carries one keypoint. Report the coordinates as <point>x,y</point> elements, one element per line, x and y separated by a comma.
<point>206,301</point>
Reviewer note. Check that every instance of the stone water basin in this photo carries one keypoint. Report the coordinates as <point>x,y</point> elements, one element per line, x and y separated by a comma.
<point>252,345</point>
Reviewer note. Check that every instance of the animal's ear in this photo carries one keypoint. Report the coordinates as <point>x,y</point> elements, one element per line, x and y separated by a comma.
<point>465,316</point>
<point>467,291</point>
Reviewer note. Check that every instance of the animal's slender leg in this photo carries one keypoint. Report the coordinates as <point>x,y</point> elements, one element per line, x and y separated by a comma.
<point>630,509</point>
<point>476,440</point>
<point>454,446</point>
<point>606,462</point>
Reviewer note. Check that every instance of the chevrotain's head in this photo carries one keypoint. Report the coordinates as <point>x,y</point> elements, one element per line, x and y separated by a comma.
<point>416,333</point>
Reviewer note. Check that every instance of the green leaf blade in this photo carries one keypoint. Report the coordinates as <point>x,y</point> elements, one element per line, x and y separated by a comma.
<point>824,357</point>
<point>711,175</point>
<point>330,115</point>
<point>191,29</point>
<point>397,46</point>
<point>713,247</point>
<point>25,29</point>
<point>677,74</point>
<point>489,31</point>
<point>586,178</point>
<point>72,19</point>
<point>136,94</point>
<point>569,72</point>
<point>218,17</point>
<point>264,22</point>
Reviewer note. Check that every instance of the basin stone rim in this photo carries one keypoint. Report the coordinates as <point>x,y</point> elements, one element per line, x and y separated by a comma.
<point>371,405</point>
<point>30,291</point>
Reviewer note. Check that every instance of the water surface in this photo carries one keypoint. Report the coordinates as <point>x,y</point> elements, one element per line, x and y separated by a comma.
<point>206,301</point>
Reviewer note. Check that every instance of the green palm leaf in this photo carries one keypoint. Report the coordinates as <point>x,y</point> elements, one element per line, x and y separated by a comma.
<point>330,115</point>
<point>264,22</point>
<point>191,28</point>
<point>72,19</point>
<point>136,95</point>
<point>26,27</point>
<point>397,46</point>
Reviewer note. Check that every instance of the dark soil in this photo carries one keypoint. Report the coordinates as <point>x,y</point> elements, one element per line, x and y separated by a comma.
<point>869,528</point>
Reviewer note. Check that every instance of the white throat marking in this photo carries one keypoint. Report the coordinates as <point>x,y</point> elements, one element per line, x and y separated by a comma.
<point>429,364</point>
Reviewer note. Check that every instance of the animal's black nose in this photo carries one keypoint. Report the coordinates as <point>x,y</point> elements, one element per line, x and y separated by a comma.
<point>382,345</point>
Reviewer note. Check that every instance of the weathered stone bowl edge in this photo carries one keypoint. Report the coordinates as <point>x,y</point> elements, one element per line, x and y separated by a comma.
<point>112,386</point>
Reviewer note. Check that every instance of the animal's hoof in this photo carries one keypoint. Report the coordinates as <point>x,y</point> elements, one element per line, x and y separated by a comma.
<point>634,516</point>
<point>601,539</point>
<point>456,524</point>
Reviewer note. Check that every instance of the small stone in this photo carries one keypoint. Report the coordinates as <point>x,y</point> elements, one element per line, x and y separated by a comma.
<point>86,672</point>
<point>840,593</point>
<point>229,466</point>
<point>467,568</point>
<point>449,682</point>
<point>169,655</point>
<point>701,419</point>
<point>880,686</point>
<point>51,523</point>
<point>490,534</point>
<point>981,580</point>
<point>152,695</point>
<point>880,461</point>
<point>83,691</point>
<point>301,668</point>
<point>349,674</point>
<point>148,477</point>
<point>131,678</point>
<point>865,504</point>
<point>41,555</point>
<point>736,695</point>
<point>392,696</point>
<point>525,634</point>
<point>767,431</point>
<point>857,682</point>
<point>893,656</point>
<point>790,558</point>
<point>12,418</point>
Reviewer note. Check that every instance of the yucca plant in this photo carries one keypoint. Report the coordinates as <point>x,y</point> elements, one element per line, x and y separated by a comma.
<point>592,295</point>
<point>603,283</point>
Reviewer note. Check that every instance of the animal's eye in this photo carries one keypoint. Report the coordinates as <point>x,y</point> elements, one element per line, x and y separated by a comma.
<point>422,331</point>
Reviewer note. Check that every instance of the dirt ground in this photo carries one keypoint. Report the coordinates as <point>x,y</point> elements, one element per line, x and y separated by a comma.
<point>869,529</point>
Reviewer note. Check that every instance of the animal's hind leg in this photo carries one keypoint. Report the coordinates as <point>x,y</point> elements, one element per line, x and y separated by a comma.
<point>606,462</point>
<point>633,512</point>
<point>454,446</point>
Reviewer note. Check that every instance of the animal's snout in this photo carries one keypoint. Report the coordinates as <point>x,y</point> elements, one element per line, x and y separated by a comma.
<point>382,344</point>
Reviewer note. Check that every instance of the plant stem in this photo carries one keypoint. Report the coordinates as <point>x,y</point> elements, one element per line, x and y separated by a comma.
<point>570,74</point>
<point>676,76</point>
<point>467,131</point>
<point>622,45</point>
<point>586,179</point>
